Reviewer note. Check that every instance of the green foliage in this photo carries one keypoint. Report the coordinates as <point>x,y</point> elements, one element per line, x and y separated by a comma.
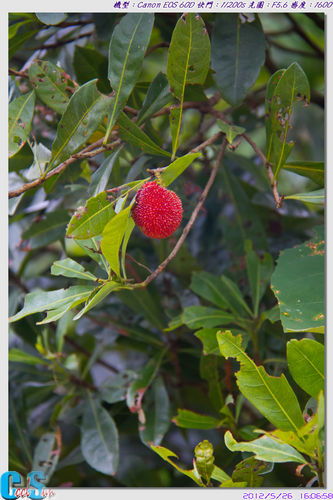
<point>117,342</point>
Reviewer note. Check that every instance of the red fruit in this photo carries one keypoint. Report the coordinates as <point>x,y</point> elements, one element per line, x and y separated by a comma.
<point>157,211</point>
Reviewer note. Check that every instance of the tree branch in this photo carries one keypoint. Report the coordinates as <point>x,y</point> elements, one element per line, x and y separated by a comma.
<point>190,223</point>
<point>305,36</point>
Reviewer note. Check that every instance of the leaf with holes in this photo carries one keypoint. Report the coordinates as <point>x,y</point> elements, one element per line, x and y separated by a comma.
<point>284,90</point>
<point>51,84</point>
<point>128,45</point>
<point>20,113</point>
<point>298,283</point>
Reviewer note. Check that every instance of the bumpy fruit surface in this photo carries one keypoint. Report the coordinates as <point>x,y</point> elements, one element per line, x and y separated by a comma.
<point>157,211</point>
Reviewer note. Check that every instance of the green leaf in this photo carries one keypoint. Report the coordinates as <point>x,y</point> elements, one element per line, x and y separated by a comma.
<point>128,231</point>
<point>131,133</point>
<point>189,54</point>
<point>272,396</point>
<point>305,441</point>
<point>51,18</point>
<point>90,220</point>
<point>165,454</point>
<point>143,381</point>
<point>284,90</point>
<point>206,317</point>
<point>208,339</point>
<point>306,363</point>
<point>266,449</point>
<point>71,269</point>
<point>20,113</point>
<point>97,295</point>
<point>157,415</point>
<point>238,52</point>
<point>188,61</point>
<point>249,470</point>
<point>100,178</point>
<point>46,455</point>
<point>56,300</point>
<point>50,83</point>
<point>50,228</point>
<point>84,113</point>
<point>113,235</point>
<point>92,248</point>
<point>231,131</point>
<point>18,356</point>
<point>219,475</point>
<point>191,420</point>
<point>90,64</point>
<point>128,45</point>
<point>99,438</point>
<point>176,168</point>
<point>17,41</point>
<point>314,197</point>
<point>314,170</point>
<point>222,292</point>
<point>298,283</point>
<point>259,272</point>
<point>158,95</point>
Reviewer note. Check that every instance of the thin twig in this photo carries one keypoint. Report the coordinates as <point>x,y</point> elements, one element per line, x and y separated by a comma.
<point>22,74</point>
<point>303,53</point>
<point>304,35</point>
<point>88,152</point>
<point>59,43</point>
<point>190,223</point>
<point>157,46</point>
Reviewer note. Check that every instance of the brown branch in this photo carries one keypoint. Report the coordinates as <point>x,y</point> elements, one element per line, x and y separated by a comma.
<point>190,223</point>
<point>303,53</point>
<point>157,46</point>
<point>278,199</point>
<point>88,152</point>
<point>59,43</point>
<point>304,35</point>
<point>22,74</point>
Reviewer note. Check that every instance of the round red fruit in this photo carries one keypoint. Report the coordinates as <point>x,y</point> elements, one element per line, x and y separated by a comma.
<point>157,211</point>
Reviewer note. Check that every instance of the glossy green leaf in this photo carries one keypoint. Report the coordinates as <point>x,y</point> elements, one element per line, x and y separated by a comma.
<point>97,296</point>
<point>188,61</point>
<point>129,41</point>
<point>20,113</point>
<point>306,363</point>
<point>46,455</point>
<point>298,283</point>
<point>113,235</point>
<point>90,64</point>
<point>283,92</point>
<point>191,420</point>
<point>18,356</point>
<point>177,167</point>
<point>128,231</point>
<point>157,414</point>
<point>90,220</point>
<point>132,134</point>
<point>50,228</point>
<point>205,317</point>
<point>222,292</point>
<point>158,95</point>
<point>100,178</point>
<point>305,441</point>
<point>238,52</point>
<point>99,438</point>
<point>84,113</point>
<point>71,269</point>
<point>314,170</point>
<point>51,18</point>
<point>92,247</point>
<point>219,475</point>
<point>259,272</point>
<point>266,449</point>
<point>51,84</point>
<point>249,470</point>
<point>166,454</point>
<point>231,131</point>
<point>272,396</point>
<point>313,198</point>
<point>65,299</point>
